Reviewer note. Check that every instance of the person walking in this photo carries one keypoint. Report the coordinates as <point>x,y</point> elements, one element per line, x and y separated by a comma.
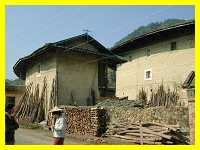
<point>11,125</point>
<point>58,127</point>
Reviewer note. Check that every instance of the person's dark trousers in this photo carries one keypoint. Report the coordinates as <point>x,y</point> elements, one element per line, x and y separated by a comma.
<point>58,141</point>
<point>9,137</point>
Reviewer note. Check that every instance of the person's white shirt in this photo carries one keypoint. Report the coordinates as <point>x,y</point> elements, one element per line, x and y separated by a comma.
<point>59,127</point>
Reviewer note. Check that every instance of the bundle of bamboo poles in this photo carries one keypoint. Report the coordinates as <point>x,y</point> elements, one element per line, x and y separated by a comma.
<point>53,95</point>
<point>161,97</point>
<point>143,97</point>
<point>31,107</point>
<point>146,133</point>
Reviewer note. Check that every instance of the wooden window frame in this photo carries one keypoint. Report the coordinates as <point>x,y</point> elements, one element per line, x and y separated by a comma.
<point>148,52</point>
<point>173,46</point>
<point>150,74</point>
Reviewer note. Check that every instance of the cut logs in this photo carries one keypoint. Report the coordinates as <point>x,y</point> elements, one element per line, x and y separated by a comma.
<point>84,120</point>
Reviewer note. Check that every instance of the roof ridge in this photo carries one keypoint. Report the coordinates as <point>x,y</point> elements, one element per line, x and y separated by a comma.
<point>71,38</point>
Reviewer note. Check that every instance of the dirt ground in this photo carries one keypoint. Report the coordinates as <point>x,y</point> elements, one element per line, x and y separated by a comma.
<point>40,137</point>
<point>25,136</point>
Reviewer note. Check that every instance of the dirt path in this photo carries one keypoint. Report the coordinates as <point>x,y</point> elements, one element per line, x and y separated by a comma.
<point>38,136</point>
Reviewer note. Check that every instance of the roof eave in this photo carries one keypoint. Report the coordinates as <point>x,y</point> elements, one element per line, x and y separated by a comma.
<point>19,67</point>
<point>115,48</point>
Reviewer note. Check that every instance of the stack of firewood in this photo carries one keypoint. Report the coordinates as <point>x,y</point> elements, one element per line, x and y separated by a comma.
<point>83,120</point>
<point>99,119</point>
<point>77,120</point>
<point>31,107</point>
<point>147,133</point>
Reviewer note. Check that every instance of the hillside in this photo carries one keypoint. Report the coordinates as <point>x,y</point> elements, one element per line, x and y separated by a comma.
<point>151,27</point>
<point>16,82</point>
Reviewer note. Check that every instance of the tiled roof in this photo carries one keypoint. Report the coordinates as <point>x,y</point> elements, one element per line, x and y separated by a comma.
<point>20,66</point>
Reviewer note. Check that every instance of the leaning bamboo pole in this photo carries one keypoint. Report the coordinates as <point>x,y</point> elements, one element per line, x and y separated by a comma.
<point>31,107</point>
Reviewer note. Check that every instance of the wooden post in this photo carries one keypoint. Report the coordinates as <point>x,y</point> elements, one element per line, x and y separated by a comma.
<point>141,134</point>
<point>191,109</point>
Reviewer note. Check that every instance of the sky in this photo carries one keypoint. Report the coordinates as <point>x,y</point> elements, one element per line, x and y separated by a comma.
<point>30,27</point>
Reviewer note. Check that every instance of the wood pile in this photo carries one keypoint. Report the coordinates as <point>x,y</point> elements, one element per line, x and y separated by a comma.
<point>84,120</point>
<point>31,107</point>
<point>147,133</point>
<point>99,119</point>
<point>77,120</point>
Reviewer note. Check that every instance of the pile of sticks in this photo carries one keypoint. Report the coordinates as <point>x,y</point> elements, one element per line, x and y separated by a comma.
<point>147,133</point>
<point>143,97</point>
<point>161,97</point>
<point>31,107</point>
